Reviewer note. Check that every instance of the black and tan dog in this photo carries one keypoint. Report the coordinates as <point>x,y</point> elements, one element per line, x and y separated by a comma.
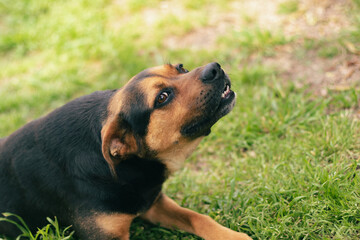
<point>100,161</point>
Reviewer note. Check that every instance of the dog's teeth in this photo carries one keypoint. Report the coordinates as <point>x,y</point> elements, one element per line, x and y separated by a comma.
<point>226,91</point>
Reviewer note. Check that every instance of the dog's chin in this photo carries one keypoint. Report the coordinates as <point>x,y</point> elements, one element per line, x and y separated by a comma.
<point>202,125</point>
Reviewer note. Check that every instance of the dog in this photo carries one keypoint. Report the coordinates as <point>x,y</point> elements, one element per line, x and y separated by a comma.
<point>100,160</point>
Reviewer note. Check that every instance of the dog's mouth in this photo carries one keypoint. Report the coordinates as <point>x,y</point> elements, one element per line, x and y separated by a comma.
<point>227,91</point>
<point>201,126</point>
<point>226,104</point>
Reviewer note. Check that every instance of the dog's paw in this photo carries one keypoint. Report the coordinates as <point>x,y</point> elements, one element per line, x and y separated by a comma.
<point>228,234</point>
<point>237,236</point>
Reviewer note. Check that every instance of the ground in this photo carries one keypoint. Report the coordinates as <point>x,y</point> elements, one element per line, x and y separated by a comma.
<point>326,64</point>
<point>283,165</point>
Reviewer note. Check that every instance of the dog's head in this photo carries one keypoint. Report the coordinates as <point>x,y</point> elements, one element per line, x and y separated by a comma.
<point>163,113</point>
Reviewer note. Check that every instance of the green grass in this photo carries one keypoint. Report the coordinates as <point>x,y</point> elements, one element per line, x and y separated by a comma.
<point>50,231</point>
<point>329,51</point>
<point>283,165</point>
<point>252,41</point>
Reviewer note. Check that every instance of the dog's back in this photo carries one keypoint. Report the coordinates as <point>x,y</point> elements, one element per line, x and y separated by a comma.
<point>34,181</point>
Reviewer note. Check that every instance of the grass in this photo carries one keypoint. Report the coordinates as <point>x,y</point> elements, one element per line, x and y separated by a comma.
<point>283,165</point>
<point>50,231</point>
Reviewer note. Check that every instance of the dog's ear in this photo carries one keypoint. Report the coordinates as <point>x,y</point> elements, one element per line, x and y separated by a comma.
<point>118,141</point>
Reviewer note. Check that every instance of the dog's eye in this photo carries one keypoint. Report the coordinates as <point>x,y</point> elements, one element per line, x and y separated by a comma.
<point>162,97</point>
<point>181,69</point>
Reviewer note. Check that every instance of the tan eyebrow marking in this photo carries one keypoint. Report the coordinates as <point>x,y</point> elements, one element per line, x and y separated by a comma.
<point>160,85</point>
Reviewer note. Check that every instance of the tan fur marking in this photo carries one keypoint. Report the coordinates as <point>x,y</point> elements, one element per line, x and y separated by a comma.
<point>151,86</point>
<point>175,156</point>
<point>115,103</point>
<point>115,224</point>
<point>165,123</point>
<point>170,215</point>
<point>111,133</point>
<point>164,70</point>
<point>106,134</point>
<point>164,136</point>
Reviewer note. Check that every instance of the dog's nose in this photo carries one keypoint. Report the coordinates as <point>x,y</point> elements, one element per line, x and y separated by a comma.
<point>211,72</point>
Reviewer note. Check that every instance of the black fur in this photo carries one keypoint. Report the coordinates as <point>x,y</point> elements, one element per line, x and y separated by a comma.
<point>135,111</point>
<point>54,166</point>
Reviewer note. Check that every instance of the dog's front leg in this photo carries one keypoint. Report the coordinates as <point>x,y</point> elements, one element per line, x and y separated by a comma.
<point>170,215</point>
